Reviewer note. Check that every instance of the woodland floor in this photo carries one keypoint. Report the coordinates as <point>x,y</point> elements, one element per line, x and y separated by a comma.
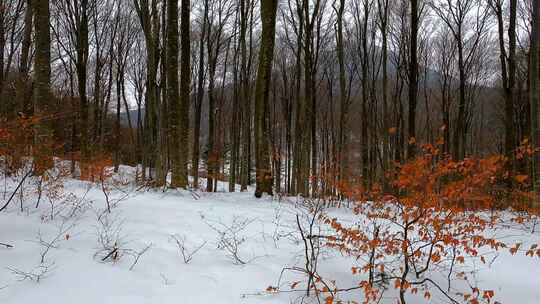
<point>265,232</point>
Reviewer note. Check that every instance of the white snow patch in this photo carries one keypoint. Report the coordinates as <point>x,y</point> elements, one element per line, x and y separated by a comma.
<point>161,276</point>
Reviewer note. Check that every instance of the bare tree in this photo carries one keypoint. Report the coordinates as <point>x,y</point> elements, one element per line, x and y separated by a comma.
<point>534,92</point>
<point>185,89</point>
<point>467,23</point>
<point>199,99</point>
<point>147,11</point>
<point>262,89</point>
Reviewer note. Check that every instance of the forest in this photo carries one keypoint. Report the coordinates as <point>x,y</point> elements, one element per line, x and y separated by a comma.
<point>311,151</point>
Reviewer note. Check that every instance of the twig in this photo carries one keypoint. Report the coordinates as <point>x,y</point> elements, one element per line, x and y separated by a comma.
<point>103,188</point>
<point>16,189</point>
<point>138,255</point>
<point>47,245</point>
<point>115,250</point>
<point>195,195</point>
<point>35,275</point>
<point>187,255</point>
<point>164,278</point>
<point>6,245</point>
<point>229,238</point>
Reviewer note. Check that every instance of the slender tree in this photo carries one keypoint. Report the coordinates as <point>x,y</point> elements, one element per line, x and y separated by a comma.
<point>534,92</point>
<point>185,89</point>
<point>343,94</point>
<point>173,100</point>
<point>42,67</point>
<point>262,91</point>
<point>147,11</point>
<point>199,100</point>
<point>42,60</point>
<point>508,64</point>
<point>413,79</point>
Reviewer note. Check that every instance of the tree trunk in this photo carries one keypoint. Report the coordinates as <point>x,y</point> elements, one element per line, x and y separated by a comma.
<point>510,139</point>
<point>459,144</point>
<point>185,87</point>
<point>81,67</point>
<point>24,66</point>
<point>384,36</point>
<point>2,43</point>
<point>343,100</point>
<point>212,157</point>
<point>245,97</point>
<point>42,60</point>
<point>413,80</point>
<point>198,107</point>
<point>262,90</point>
<point>534,93</point>
<point>173,100</point>
<point>42,67</point>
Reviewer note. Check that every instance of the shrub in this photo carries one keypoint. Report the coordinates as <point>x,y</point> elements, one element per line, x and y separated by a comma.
<point>422,236</point>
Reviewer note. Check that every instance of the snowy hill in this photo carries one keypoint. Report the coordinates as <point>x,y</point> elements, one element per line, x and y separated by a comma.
<point>238,247</point>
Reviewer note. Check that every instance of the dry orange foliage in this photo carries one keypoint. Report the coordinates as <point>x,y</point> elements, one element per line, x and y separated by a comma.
<point>20,138</point>
<point>96,168</point>
<point>433,223</point>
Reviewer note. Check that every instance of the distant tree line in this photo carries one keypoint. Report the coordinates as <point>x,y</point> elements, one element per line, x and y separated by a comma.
<point>297,96</point>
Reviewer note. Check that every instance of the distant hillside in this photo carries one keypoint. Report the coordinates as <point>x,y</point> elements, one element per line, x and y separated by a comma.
<point>133,114</point>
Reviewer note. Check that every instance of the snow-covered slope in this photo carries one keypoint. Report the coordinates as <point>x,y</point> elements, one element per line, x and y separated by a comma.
<point>265,233</point>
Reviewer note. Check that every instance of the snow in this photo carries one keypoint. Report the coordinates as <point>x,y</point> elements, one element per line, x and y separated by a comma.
<point>269,243</point>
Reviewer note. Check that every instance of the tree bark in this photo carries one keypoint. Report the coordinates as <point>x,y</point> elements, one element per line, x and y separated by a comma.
<point>198,106</point>
<point>173,99</point>
<point>510,135</point>
<point>413,80</point>
<point>185,88</point>
<point>42,67</point>
<point>534,93</point>
<point>81,68</point>
<point>262,90</point>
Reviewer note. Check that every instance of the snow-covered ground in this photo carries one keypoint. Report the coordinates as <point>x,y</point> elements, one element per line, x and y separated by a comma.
<point>265,231</point>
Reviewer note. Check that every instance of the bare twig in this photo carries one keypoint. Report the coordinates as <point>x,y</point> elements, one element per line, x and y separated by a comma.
<point>113,253</point>
<point>35,275</point>
<point>6,245</point>
<point>230,239</point>
<point>53,243</point>
<point>16,189</point>
<point>138,255</point>
<point>105,192</point>
<point>187,254</point>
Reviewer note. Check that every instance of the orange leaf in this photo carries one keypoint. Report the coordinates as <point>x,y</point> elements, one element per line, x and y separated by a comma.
<point>488,294</point>
<point>521,178</point>
<point>271,289</point>
<point>514,249</point>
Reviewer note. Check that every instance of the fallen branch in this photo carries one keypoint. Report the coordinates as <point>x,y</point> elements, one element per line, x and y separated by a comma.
<point>6,245</point>
<point>115,250</point>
